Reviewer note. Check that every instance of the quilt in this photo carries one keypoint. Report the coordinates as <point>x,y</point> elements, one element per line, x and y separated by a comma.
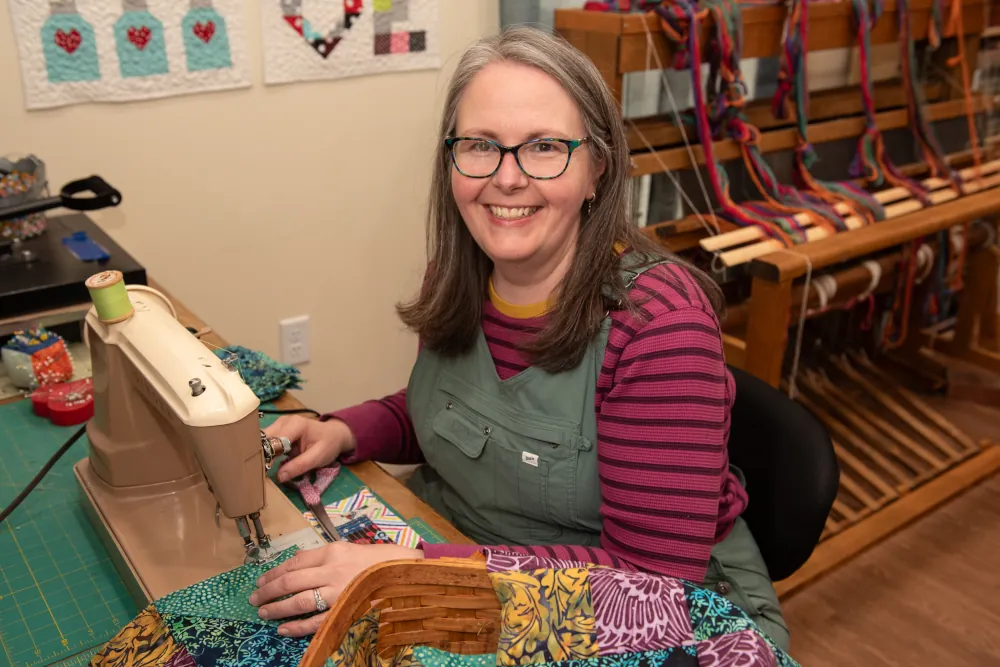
<point>553,612</point>
<point>77,51</point>
<point>307,40</point>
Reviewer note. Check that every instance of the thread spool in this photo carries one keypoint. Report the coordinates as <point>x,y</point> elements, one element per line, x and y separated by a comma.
<point>110,298</point>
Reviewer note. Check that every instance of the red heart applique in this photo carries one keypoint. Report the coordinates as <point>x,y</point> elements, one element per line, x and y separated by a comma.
<point>68,41</point>
<point>204,31</point>
<point>139,37</point>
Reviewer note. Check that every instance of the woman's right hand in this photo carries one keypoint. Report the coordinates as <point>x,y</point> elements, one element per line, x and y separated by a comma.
<point>319,443</point>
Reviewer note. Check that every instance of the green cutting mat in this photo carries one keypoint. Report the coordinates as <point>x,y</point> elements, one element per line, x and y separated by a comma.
<point>59,593</point>
<point>60,596</point>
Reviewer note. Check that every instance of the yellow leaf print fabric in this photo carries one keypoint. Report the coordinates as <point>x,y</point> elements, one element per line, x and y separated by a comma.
<point>547,616</point>
<point>144,642</point>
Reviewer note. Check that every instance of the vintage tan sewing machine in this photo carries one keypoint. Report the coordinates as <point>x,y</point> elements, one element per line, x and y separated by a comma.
<point>176,474</point>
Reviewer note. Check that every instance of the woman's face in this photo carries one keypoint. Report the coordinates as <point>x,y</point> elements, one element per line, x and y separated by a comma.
<point>515,218</point>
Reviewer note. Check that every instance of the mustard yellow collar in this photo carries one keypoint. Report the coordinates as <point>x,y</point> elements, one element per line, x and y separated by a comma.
<point>531,310</point>
<point>520,312</point>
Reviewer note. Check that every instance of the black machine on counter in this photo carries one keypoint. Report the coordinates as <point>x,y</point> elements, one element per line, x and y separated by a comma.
<point>46,273</point>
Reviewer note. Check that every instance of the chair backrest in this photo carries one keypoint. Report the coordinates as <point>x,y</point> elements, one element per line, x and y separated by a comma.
<point>791,471</point>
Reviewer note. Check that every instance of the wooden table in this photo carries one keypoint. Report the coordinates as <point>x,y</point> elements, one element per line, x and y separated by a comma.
<point>407,505</point>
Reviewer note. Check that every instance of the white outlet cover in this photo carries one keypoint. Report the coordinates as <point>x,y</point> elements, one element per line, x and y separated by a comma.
<point>294,334</point>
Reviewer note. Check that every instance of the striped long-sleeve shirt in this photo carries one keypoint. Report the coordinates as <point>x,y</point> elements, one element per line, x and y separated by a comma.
<point>662,402</point>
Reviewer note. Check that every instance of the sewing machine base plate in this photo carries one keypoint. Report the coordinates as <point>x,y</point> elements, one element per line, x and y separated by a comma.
<point>163,538</point>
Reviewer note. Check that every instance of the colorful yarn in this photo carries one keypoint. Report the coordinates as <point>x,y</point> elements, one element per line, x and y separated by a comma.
<point>267,378</point>
<point>681,23</point>
<point>870,162</point>
<point>919,124</point>
<point>792,79</point>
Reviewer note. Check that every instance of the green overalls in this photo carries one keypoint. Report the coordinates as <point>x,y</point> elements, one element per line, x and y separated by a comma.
<point>515,462</point>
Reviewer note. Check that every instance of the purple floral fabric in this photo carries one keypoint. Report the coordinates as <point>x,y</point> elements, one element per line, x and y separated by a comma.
<point>740,649</point>
<point>638,612</point>
<point>182,659</point>
<point>636,618</point>
<point>508,561</point>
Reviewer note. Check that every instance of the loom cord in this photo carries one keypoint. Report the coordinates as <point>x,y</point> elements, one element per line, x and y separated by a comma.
<point>894,333</point>
<point>919,124</point>
<point>776,214</point>
<point>956,27</point>
<point>870,162</point>
<point>681,24</point>
<point>731,93</point>
<point>792,79</point>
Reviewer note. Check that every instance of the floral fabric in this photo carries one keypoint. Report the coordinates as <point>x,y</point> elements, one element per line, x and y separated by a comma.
<point>567,614</point>
<point>209,624</point>
<point>144,642</point>
<point>676,657</point>
<point>224,596</point>
<point>546,616</point>
<point>213,642</point>
<point>637,612</point>
<point>555,613</point>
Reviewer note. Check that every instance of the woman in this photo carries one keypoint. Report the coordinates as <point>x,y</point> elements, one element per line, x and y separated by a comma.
<point>570,396</point>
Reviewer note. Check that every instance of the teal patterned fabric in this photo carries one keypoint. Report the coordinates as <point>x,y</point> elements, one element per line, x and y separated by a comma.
<point>424,656</point>
<point>214,642</point>
<point>674,657</point>
<point>225,596</point>
<point>267,378</point>
<point>713,615</point>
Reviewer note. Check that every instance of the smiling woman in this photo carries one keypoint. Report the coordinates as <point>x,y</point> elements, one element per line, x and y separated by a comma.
<point>570,398</point>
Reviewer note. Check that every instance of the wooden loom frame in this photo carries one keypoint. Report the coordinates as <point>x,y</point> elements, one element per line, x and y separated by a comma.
<point>633,42</point>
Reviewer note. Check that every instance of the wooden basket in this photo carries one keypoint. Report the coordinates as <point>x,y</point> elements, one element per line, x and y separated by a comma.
<point>445,603</point>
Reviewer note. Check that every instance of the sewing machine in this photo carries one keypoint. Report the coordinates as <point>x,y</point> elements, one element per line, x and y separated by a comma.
<point>175,481</point>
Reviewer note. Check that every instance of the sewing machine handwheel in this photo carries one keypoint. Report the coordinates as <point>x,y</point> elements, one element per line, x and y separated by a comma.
<point>103,194</point>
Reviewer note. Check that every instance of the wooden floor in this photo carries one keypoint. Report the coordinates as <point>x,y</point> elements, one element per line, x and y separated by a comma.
<point>929,595</point>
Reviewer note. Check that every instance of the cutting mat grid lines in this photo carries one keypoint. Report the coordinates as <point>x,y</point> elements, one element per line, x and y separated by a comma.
<point>59,592</point>
<point>60,595</point>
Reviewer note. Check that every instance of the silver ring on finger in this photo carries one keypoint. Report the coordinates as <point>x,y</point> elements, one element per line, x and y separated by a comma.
<point>321,604</point>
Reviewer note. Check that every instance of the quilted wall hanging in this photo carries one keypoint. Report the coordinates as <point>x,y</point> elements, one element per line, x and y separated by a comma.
<point>307,40</point>
<point>77,51</point>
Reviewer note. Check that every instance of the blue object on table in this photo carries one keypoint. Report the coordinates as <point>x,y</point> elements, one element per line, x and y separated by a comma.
<point>85,248</point>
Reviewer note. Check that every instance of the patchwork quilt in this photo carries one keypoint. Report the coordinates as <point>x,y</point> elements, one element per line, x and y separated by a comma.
<point>553,612</point>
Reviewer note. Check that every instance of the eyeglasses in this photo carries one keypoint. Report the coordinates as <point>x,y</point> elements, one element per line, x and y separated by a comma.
<point>540,159</point>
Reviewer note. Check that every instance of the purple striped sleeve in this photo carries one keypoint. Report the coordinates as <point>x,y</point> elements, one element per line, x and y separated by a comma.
<point>383,431</point>
<point>665,395</point>
<point>560,552</point>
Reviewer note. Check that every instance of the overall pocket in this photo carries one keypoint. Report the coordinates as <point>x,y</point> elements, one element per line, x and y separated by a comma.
<point>721,581</point>
<point>459,455</point>
<point>535,461</point>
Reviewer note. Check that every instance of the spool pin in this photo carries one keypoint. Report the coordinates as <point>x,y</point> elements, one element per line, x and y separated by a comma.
<point>110,298</point>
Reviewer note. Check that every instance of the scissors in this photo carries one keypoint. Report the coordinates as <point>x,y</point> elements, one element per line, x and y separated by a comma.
<point>312,495</point>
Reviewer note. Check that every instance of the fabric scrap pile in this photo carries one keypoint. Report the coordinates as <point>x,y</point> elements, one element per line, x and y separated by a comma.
<point>557,612</point>
<point>208,624</point>
<point>267,378</point>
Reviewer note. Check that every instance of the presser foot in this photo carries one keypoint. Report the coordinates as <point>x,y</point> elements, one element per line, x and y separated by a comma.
<point>259,552</point>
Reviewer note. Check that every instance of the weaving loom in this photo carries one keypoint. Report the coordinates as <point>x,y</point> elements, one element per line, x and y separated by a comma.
<point>858,285</point>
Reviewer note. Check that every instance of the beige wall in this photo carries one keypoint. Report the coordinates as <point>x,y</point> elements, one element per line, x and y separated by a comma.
<point>332,228</point>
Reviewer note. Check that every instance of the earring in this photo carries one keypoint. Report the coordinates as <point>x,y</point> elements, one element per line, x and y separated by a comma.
<point>590,203</point>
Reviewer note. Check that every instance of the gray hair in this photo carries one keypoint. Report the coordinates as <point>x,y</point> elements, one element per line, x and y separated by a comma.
<point>447,315</point>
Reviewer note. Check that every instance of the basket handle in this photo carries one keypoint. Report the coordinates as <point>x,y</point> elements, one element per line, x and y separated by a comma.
<point>417,572</point>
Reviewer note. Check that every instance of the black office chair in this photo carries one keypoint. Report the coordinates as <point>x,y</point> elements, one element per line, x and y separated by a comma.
<point>791,472</point>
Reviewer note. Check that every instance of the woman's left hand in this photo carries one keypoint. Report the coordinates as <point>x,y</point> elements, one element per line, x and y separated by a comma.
<point>328,569</point>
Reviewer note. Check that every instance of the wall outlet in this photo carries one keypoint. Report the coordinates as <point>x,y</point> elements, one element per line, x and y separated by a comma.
<point>294,339</point>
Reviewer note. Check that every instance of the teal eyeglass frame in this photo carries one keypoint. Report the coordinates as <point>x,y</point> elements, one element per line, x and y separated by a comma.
<point>571,144</point>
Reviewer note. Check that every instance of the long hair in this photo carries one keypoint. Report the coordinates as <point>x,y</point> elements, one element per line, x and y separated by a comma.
<point>447,315</point>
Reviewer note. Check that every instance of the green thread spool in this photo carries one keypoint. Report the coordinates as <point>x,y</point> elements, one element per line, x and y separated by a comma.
<point>107,291</point>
